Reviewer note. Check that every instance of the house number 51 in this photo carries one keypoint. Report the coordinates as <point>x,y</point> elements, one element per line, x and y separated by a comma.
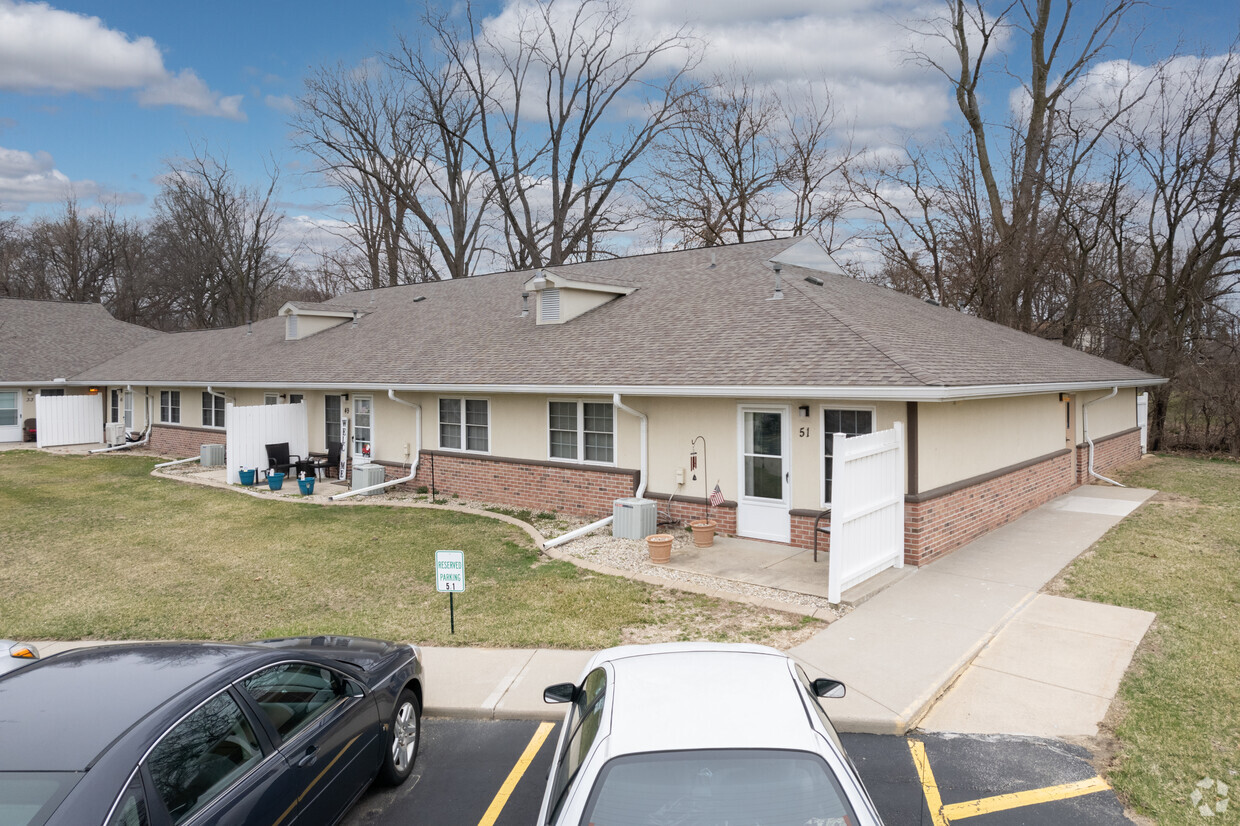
<point>804,432</point>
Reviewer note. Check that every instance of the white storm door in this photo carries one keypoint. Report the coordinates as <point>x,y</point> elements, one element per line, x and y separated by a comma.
<point>762,503</point>
<point>10,417</point>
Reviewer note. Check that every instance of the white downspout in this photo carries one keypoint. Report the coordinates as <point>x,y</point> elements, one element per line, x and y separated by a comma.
<point>417,453</point>
<point>1085,415</point>
<point>146,411</point>
<point>641,484</point>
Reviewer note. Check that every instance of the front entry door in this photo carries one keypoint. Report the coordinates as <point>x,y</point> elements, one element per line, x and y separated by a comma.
<point>762,503</point>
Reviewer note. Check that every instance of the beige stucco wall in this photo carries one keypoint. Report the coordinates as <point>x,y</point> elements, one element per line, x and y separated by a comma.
<point>1107,417</point>
<point>958,440</point>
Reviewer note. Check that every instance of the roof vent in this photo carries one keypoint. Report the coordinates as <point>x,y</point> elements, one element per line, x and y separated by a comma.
<point>249,328</point>
<point>549,305</point>
<point>712,261</point>
<point>418,298</point>
<point>815,280</point>
<point>779,287</point>
<point>525,303</point>
<point>932,301</point>
<point>355,318</point>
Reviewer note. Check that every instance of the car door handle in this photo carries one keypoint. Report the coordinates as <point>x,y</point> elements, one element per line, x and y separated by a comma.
<point>309,757</point>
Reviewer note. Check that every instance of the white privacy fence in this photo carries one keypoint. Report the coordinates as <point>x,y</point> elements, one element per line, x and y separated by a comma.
<point>867,507</point>
<point>1143,420</point>
<point>68,420</point>
<point>250,429</point>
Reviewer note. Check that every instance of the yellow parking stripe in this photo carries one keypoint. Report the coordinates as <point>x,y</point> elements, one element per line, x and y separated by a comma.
<point>928,785</point>
<point>514,776</point>
<point>999,803</point>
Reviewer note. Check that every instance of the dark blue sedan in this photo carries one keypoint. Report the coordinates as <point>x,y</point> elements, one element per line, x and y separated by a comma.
<point>277,732</point>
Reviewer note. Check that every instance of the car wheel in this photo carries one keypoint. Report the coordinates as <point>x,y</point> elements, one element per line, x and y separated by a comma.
<point>404,735</point>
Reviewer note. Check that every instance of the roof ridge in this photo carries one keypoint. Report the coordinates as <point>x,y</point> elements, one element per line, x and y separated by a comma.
<point>897,357</point>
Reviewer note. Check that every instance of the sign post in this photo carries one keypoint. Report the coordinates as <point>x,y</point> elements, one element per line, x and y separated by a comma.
<point>450,578</point>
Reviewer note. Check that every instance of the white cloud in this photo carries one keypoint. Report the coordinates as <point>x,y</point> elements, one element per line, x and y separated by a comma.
<point>32,178</point>
<point>43,49</point>
<point>281,103</point>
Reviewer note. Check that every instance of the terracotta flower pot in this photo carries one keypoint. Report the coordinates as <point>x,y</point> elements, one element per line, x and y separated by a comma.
<point>703,532</point>
<point>660,547</point>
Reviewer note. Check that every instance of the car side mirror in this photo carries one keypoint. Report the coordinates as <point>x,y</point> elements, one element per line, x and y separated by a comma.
<point>831,689</point>
<point>560,693</point>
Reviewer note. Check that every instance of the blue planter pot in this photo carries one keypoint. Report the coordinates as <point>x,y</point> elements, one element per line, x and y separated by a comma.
<point>275,481</point>
<point>247,476</point>
<point>306,486</point>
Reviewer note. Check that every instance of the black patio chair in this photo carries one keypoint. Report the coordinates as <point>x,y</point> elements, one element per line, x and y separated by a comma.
<point>279,460</point>
<point>332,460</point>
<point>821,528</point>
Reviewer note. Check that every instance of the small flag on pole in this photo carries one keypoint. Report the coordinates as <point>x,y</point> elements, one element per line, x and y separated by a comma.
<point>716,496</point>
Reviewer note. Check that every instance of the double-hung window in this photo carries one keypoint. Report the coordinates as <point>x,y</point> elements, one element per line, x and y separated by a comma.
<point>465,424</point>
<point>848,422</point>
<point>581,431</point>
<point>212,410</point>
<point>170,406</point>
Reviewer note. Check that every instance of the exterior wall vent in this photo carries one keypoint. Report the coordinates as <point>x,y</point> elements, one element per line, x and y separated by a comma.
<point>549,306</point>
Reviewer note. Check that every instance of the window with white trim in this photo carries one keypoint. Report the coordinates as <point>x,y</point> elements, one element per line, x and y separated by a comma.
<point>271,398</point>
<point>170,406</point>
<point>363,426</point>
<point>850,422</point>
<point>465,424</point>
<point>295,398</point>
<point>580,431</point>
<point>212,410</point>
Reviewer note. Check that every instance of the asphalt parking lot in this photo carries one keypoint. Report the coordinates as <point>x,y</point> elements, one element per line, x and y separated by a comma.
<point>492,773</point>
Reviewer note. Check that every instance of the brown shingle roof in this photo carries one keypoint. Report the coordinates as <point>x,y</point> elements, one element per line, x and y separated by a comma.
<point>45,340</point>
<point>686,325</point>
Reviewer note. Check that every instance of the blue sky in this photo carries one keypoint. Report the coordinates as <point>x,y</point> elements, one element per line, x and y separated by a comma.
<point>97,95</point>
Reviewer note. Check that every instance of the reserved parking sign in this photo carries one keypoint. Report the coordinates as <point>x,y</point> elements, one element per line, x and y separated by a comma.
<point>450,571</point>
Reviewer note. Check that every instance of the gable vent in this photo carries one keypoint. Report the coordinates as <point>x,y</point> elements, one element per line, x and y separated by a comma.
<point>290,327</point>
<point>549,305</point>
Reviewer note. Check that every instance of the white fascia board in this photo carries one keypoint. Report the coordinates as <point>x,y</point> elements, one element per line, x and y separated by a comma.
<point>290,308</point>
<point>926,394</point>
<point>559,282</point>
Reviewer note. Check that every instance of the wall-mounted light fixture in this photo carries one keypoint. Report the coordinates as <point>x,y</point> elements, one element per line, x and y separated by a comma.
<point>344,396</point>
<point>804,410</point>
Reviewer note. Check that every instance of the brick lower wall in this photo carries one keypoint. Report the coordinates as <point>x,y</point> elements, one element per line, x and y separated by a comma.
<point>542,486</point>
<point>1109,453</point>
<point>936,526</point>
<point>183,442</point>
<point>684,511</point>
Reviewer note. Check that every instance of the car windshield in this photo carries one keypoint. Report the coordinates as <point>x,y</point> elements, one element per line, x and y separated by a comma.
<point>757,787</point>
<point>29,798</point>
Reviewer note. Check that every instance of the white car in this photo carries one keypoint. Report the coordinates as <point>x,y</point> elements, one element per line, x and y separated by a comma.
<point>700,734</point>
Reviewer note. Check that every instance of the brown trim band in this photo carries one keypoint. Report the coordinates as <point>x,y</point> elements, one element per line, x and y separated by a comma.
<point>482,457</point>
<point>985,477</point>
<point>186,428</point>
<point>1111,436</point>
<point>807,512</point>
<point>689,500</point>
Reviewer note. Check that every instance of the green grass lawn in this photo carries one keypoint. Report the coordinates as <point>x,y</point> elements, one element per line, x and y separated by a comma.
<point>1178,721</point>
<point>96,548</point>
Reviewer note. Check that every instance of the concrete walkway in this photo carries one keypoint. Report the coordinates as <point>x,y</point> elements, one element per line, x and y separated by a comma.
<point>899,651</point>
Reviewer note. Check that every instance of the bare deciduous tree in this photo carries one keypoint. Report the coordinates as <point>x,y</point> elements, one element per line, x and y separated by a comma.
<point>547,91</point>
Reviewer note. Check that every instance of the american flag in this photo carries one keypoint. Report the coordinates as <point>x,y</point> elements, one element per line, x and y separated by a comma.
<point>716,496</point>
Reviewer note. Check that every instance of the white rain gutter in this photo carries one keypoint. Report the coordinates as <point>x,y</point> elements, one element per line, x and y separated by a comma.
<point>641,484</point>
<point>146,436</point>
<point>417,453</point>
<point>1085,414</point>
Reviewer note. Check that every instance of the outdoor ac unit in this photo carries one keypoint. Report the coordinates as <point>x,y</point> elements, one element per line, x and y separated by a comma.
<point>366,475</point>
<point>212,455</point>
<point>633,518</point>
<point>114,433</point>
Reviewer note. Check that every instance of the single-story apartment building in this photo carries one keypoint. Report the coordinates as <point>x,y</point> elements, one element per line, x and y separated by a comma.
<point>729,366</point>
<point>43,344</point>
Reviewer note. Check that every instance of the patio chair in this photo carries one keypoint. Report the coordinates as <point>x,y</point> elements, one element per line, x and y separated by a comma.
<point>279,460</point>
<point>821,528</point>
<point>332,460</point>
